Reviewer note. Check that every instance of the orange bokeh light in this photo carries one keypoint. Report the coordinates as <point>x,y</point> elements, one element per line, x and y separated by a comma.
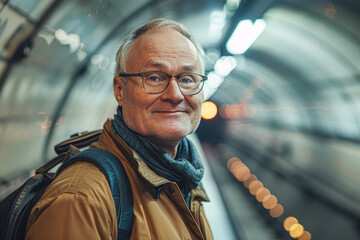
<point>289,221</point>
<point>231,161</point>
<point>251,178</point>
<point>269,201</point>
<point>296,230</point>
<point>277,211</point>
<point>305,236</point>
<point>235,165</point>
<point>261,193</point>
<point>254,186</point>
<point>208,110</point>
<point>242,173</point>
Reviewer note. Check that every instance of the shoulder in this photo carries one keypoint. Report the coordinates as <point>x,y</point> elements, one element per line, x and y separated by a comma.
<point>78,178</point>
<point>80,190</point>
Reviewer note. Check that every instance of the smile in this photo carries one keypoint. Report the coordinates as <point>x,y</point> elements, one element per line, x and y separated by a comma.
<point>170,112</point>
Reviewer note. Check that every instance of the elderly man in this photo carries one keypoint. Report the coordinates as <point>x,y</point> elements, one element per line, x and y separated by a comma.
<point>158,86</point>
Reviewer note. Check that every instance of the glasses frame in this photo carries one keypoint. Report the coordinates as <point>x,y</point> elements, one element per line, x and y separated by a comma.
<point>177,77</point>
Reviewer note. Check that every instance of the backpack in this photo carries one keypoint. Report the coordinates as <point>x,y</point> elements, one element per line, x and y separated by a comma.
<point>16,207</point>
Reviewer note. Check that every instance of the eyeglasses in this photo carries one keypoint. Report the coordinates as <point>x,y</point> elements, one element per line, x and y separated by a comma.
<point>157,82</point>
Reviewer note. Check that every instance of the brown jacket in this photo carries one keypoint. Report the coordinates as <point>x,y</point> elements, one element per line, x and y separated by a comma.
<point>79,203</point>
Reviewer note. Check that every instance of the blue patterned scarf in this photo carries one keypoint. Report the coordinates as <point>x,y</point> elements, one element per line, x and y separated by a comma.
<point>186,169</point>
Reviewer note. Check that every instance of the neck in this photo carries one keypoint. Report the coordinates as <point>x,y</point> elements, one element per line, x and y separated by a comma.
<point>168,147</point>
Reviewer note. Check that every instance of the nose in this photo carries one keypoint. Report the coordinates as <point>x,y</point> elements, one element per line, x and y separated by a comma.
<point>172,92</point>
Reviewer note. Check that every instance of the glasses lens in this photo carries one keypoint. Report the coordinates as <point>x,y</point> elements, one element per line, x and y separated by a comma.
<point>190,83</point>
<point>155,82</point>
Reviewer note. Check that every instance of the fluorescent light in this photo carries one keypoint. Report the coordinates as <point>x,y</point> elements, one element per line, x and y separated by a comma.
<point>73,40</point>
<point>245,35</point>
<point>217,23</point>
<point>225,65</point>
<point>61,35</point>
<point>214,80</point>
<point>232,5</point>
<point>211,85</point>
<point>217,20</point>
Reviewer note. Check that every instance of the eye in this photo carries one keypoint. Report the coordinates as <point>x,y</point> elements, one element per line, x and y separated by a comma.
<point>186,79</point>
<point>155,78</point>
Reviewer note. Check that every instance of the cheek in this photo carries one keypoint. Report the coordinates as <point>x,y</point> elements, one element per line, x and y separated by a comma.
<point>130,105</point>
<point>196,104</point>
<point>198,115</point>
<point>136,103</point>
<point>133,96</point>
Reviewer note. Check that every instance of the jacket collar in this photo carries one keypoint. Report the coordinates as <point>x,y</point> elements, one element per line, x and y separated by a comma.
<point>147,173</point>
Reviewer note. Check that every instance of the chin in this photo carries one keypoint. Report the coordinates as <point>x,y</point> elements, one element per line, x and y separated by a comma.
<point>174,134</point>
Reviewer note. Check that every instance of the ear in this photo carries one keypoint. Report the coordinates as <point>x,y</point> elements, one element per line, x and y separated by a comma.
<point>118,89</point>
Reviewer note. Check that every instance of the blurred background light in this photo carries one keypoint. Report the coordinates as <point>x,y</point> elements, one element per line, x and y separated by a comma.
<point>262,193</point>
<point>242,173</point>
<point>217,20</point>
<point>232,5</point>
<point>61,36</point>
<point>245,35</point>
<point>208,110</point>
<point>214,80</point>
<point>277,211</point>
<point>231,161</point>
<point>296,230</point>
<point>305,236</point>
<point>225,65</point>
<point>254,186</point>
<point>269,201</point>
<point>250,180</point>
<point>289,221</point>
<point>212,84</point>
<point>73,40</point>
<point>217,23</point>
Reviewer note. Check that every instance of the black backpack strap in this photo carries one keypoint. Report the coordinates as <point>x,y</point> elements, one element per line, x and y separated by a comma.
<point>79,140</point>
<point>16,208</point>
<point>119,184</point>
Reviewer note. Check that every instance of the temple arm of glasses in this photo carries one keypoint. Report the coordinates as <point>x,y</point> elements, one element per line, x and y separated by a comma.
<point>130,75</point>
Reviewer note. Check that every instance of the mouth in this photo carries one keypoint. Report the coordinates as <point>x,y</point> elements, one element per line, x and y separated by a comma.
<point>170,112</point>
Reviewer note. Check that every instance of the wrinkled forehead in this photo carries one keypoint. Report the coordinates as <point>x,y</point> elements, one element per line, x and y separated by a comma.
<point>164,44</point>
<point>169,38</point>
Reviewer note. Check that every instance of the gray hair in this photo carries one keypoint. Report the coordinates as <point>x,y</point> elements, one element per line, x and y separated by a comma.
<point>154,24</point>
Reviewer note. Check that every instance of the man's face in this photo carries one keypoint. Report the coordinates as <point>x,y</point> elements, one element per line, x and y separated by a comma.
<point>167,117</point>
